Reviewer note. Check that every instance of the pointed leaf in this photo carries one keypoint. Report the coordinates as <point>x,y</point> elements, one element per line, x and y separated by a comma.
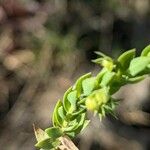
<point>80,120</point>
<point>107,77</point>
<point>71,134</point>
<point>98,60</point>
<point>136,79</point>
<point>80,110</point>
<point>103,55</point>
<point>89,85</point>
<point>48,144</point>
<point>126,58</point>
<point>66,103</point>
<point>100,74</point>
<point>138,65</point>
<point>54,132</point>
<point>45,144</point>
<point>70,128</point>
<point>146,51</point>
<point>78,84</point>
<point>57,120</point>
<point>61,112</point>
<point>78,127</point>
<point>72,98</point>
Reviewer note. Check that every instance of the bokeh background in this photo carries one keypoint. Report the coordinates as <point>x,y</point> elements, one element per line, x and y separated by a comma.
<point>45,45</point>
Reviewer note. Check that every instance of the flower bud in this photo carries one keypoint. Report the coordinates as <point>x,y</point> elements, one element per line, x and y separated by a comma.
<point>108,64</point>
<point>96,99</point>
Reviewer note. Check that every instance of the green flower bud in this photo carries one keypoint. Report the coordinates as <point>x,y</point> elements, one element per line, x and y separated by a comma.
<point>108,64</point>
<point>96,99</point>
<point>91,104</point>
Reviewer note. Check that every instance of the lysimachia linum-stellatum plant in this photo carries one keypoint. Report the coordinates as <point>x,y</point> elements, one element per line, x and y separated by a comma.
<point>93,93</point>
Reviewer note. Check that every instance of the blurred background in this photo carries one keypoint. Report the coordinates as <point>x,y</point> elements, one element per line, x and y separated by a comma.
<point>45,45</point>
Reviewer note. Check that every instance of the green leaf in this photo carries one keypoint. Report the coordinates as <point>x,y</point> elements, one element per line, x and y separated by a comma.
<point>146,51</point>
<point>138,65</point>
<point>71,134</point>
<point>77,122</point>
<point>126,58</point>
<point>98,60</point>
<point>57,120</point>
<point>45,144</point>
<point>70,129</point>
<point>61,112</point>
<point>80,110</point>
<point>136,79</point>
<point>48,144</point>
<point>107,77</point>
<point>78,84</point>
<point>71,126</point>
<point>75,125</point>
<point>66,103</point>
<point>100,74</point>
<point>103,55</point>
<point>89,85</point>
<point>54,132</point>
<point>80,120</point>
<point>72,98</point>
